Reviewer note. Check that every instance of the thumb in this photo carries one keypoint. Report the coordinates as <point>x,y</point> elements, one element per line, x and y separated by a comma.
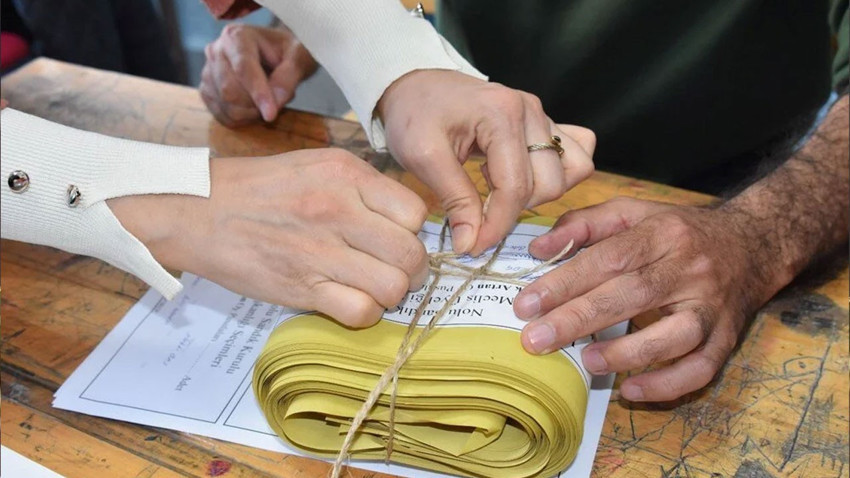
<point>283,81</point>
<point>462,204</point>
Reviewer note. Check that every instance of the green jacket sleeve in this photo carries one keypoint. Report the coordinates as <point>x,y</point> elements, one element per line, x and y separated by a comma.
<point>840,23</point>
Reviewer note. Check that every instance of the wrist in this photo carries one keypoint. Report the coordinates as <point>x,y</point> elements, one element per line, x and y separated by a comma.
<point>388,97</point>
<point>772,260</point>
<point>167,224</point>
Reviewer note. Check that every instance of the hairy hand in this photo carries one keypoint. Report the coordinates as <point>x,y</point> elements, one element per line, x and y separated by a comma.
<point>701,267</point>
<point>434,119</point>
<point>313,229</point>
<point>251,73</point>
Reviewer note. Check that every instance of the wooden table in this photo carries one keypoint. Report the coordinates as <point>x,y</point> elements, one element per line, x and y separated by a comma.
<point>779,407</point>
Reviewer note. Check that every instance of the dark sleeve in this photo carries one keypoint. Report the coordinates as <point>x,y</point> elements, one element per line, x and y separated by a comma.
<point>840,24</point>
<point>227,9</point>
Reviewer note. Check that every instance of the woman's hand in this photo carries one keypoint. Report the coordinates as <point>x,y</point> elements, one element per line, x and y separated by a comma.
<point>434,119</point>
<point>314,229</point>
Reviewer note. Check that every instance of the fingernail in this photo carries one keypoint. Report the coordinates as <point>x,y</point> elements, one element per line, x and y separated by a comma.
<point>541,239</point>
<point>539,246</point>
<point>527,306</point>
<point>268,110</point>
<point>462,238</point>
<point>593,361</point>
<point>631,392</point>
<point>281,96</point>
<point>541,336</point>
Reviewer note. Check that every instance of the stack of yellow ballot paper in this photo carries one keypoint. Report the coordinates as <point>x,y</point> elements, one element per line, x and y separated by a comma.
<point>470,401</point>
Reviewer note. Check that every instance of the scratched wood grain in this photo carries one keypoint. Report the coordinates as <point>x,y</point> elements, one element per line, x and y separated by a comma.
<point>779,408</point>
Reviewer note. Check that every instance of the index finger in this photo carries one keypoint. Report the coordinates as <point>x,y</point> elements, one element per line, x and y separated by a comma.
<point>512,183</point>
<point>620,254</point>
<point>246,64</point>
<point>391,199</point>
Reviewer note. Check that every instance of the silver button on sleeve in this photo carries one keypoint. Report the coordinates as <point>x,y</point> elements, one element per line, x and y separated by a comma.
<point>74,196</point>
<point>19,181</point>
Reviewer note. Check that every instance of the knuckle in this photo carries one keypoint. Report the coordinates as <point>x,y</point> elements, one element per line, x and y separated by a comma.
<point>396,286</point>
<point>588,137</point>
<point>413,257</point>
<point>672,387</point>
<point>340,162</point>
<point>458,201</point>
<point>565,327</point>
<point>708,366</point>
<point>704,318</point>
<point>604,305</point>
<point>701,265</point>
<point>692,329</point>
<point>318,207</point>
<point>339,154</point>
<point>239,116</point>
<point>505,100</point>
<point>579,317</point>
<point>417,215</point>
<point>727,338</point>
<point>533,101</point>
<point>711,357</point>
<point>647,287</point>
<point>677,227</point>
<point>585,138</point>
<point>582,170</point>
<point>230,91</point>
<point>551,190</point>
<point>241,66</point>
<point>614,260</point>
<point>650,351</point>
<point>233,30</point>
<point>362,312</point>
<point>555,285</point>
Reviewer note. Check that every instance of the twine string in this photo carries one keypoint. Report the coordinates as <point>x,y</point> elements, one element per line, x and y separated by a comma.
<point>442,264</point>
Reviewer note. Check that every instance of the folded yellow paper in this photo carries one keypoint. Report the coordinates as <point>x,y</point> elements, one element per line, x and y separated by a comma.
<point>470,401</point>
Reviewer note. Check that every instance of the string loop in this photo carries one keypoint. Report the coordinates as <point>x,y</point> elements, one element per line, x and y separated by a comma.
<point>441,264</point>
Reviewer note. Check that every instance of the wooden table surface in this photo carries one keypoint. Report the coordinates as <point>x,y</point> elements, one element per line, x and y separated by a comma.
<point>778,408</point>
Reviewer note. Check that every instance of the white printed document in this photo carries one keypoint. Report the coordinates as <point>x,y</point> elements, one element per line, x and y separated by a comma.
<point>186,364</point>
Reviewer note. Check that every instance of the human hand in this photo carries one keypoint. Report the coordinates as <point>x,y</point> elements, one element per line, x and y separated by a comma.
<point>314,229</point>
<point>251,73</point>
<point>434,119</point>
<point>705,269</point>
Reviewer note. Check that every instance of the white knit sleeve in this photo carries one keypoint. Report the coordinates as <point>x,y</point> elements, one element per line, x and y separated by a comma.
<point>366,45</point>
<point>55,157</point>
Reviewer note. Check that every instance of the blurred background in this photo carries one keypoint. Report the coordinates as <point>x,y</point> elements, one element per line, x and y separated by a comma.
<point>159,39</point>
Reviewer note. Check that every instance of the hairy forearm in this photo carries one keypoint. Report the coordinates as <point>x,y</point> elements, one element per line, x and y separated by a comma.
<point>800,210</point>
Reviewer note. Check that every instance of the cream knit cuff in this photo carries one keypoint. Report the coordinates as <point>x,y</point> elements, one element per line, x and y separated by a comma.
<point>366,45</point>
<point>56,157</point>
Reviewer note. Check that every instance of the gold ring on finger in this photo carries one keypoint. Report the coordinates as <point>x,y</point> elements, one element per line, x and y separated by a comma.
<point>553,144</point>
